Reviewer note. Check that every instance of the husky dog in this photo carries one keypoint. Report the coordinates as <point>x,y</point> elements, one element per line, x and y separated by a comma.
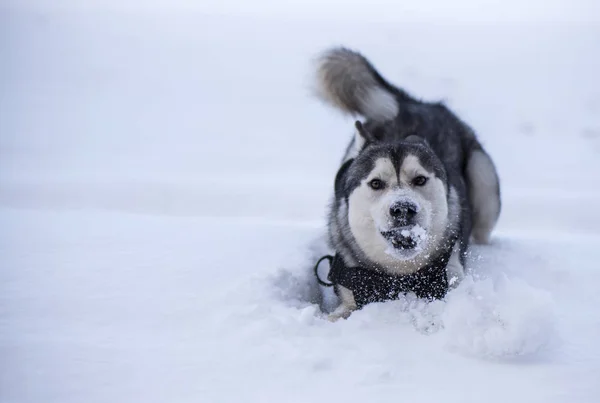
<point>413,187</point>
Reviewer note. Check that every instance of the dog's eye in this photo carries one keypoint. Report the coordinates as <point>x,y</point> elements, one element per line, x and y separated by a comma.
<point>419,180</point>
<point>377,184</point>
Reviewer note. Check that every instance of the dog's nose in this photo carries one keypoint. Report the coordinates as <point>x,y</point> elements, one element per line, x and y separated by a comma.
<point>403,211</point>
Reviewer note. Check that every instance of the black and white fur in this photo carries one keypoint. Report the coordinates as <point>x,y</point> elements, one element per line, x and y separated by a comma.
<point>403,225</point>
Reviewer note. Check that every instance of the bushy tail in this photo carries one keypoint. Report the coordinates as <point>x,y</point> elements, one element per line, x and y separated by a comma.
<point>348,81</point>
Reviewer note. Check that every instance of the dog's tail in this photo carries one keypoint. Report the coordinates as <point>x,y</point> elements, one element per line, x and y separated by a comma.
<point>348,81</point>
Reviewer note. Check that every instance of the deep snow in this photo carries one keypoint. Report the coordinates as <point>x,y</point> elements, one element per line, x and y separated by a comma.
<point>164,175</point>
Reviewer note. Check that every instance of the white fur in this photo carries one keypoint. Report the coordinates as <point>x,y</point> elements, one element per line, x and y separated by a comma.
<point>484,197</point>
<point>455,271</point>
<point>379,104</point>
<point>368,214</point>
<point>348,304</point>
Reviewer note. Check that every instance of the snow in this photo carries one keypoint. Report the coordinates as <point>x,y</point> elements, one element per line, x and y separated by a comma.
<point>417,231</point>
<point>164,176</point>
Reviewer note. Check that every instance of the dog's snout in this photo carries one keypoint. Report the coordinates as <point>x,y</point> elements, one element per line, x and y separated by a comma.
<point>403,210</point>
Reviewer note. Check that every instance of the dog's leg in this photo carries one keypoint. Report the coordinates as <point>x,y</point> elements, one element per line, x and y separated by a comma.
<point>455,270</point>
<point>347,305</point>
<point>484,195</point>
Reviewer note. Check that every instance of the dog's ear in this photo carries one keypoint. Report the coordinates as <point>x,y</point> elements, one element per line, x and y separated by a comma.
<point>363,136</point>
<point>340,179</point>
<point>363,132</point>
<point>413,138</point>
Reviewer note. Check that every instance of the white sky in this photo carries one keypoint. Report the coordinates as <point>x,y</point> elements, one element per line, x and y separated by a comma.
<point>400,10</point>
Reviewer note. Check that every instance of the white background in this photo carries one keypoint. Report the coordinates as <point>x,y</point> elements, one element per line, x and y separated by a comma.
<point>164,176</point>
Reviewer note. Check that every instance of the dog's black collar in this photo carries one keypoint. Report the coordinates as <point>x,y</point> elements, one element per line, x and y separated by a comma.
<point>370,285</point>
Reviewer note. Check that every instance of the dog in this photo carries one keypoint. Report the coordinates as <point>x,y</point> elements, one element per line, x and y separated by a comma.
<point>414,186</point>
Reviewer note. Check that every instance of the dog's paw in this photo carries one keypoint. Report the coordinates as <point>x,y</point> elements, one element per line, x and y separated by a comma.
<point>341,312</point>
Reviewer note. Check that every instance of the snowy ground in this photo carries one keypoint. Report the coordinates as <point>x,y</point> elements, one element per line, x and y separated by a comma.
<point>163,181</point>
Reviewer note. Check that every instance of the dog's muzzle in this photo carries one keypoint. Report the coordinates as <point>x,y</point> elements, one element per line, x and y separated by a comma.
<point>403,213</point>
<point>403,216</point>
<point>401,238</point>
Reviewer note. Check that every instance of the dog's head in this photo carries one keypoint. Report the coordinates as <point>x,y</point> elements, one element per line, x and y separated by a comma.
<point>397,199</point>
